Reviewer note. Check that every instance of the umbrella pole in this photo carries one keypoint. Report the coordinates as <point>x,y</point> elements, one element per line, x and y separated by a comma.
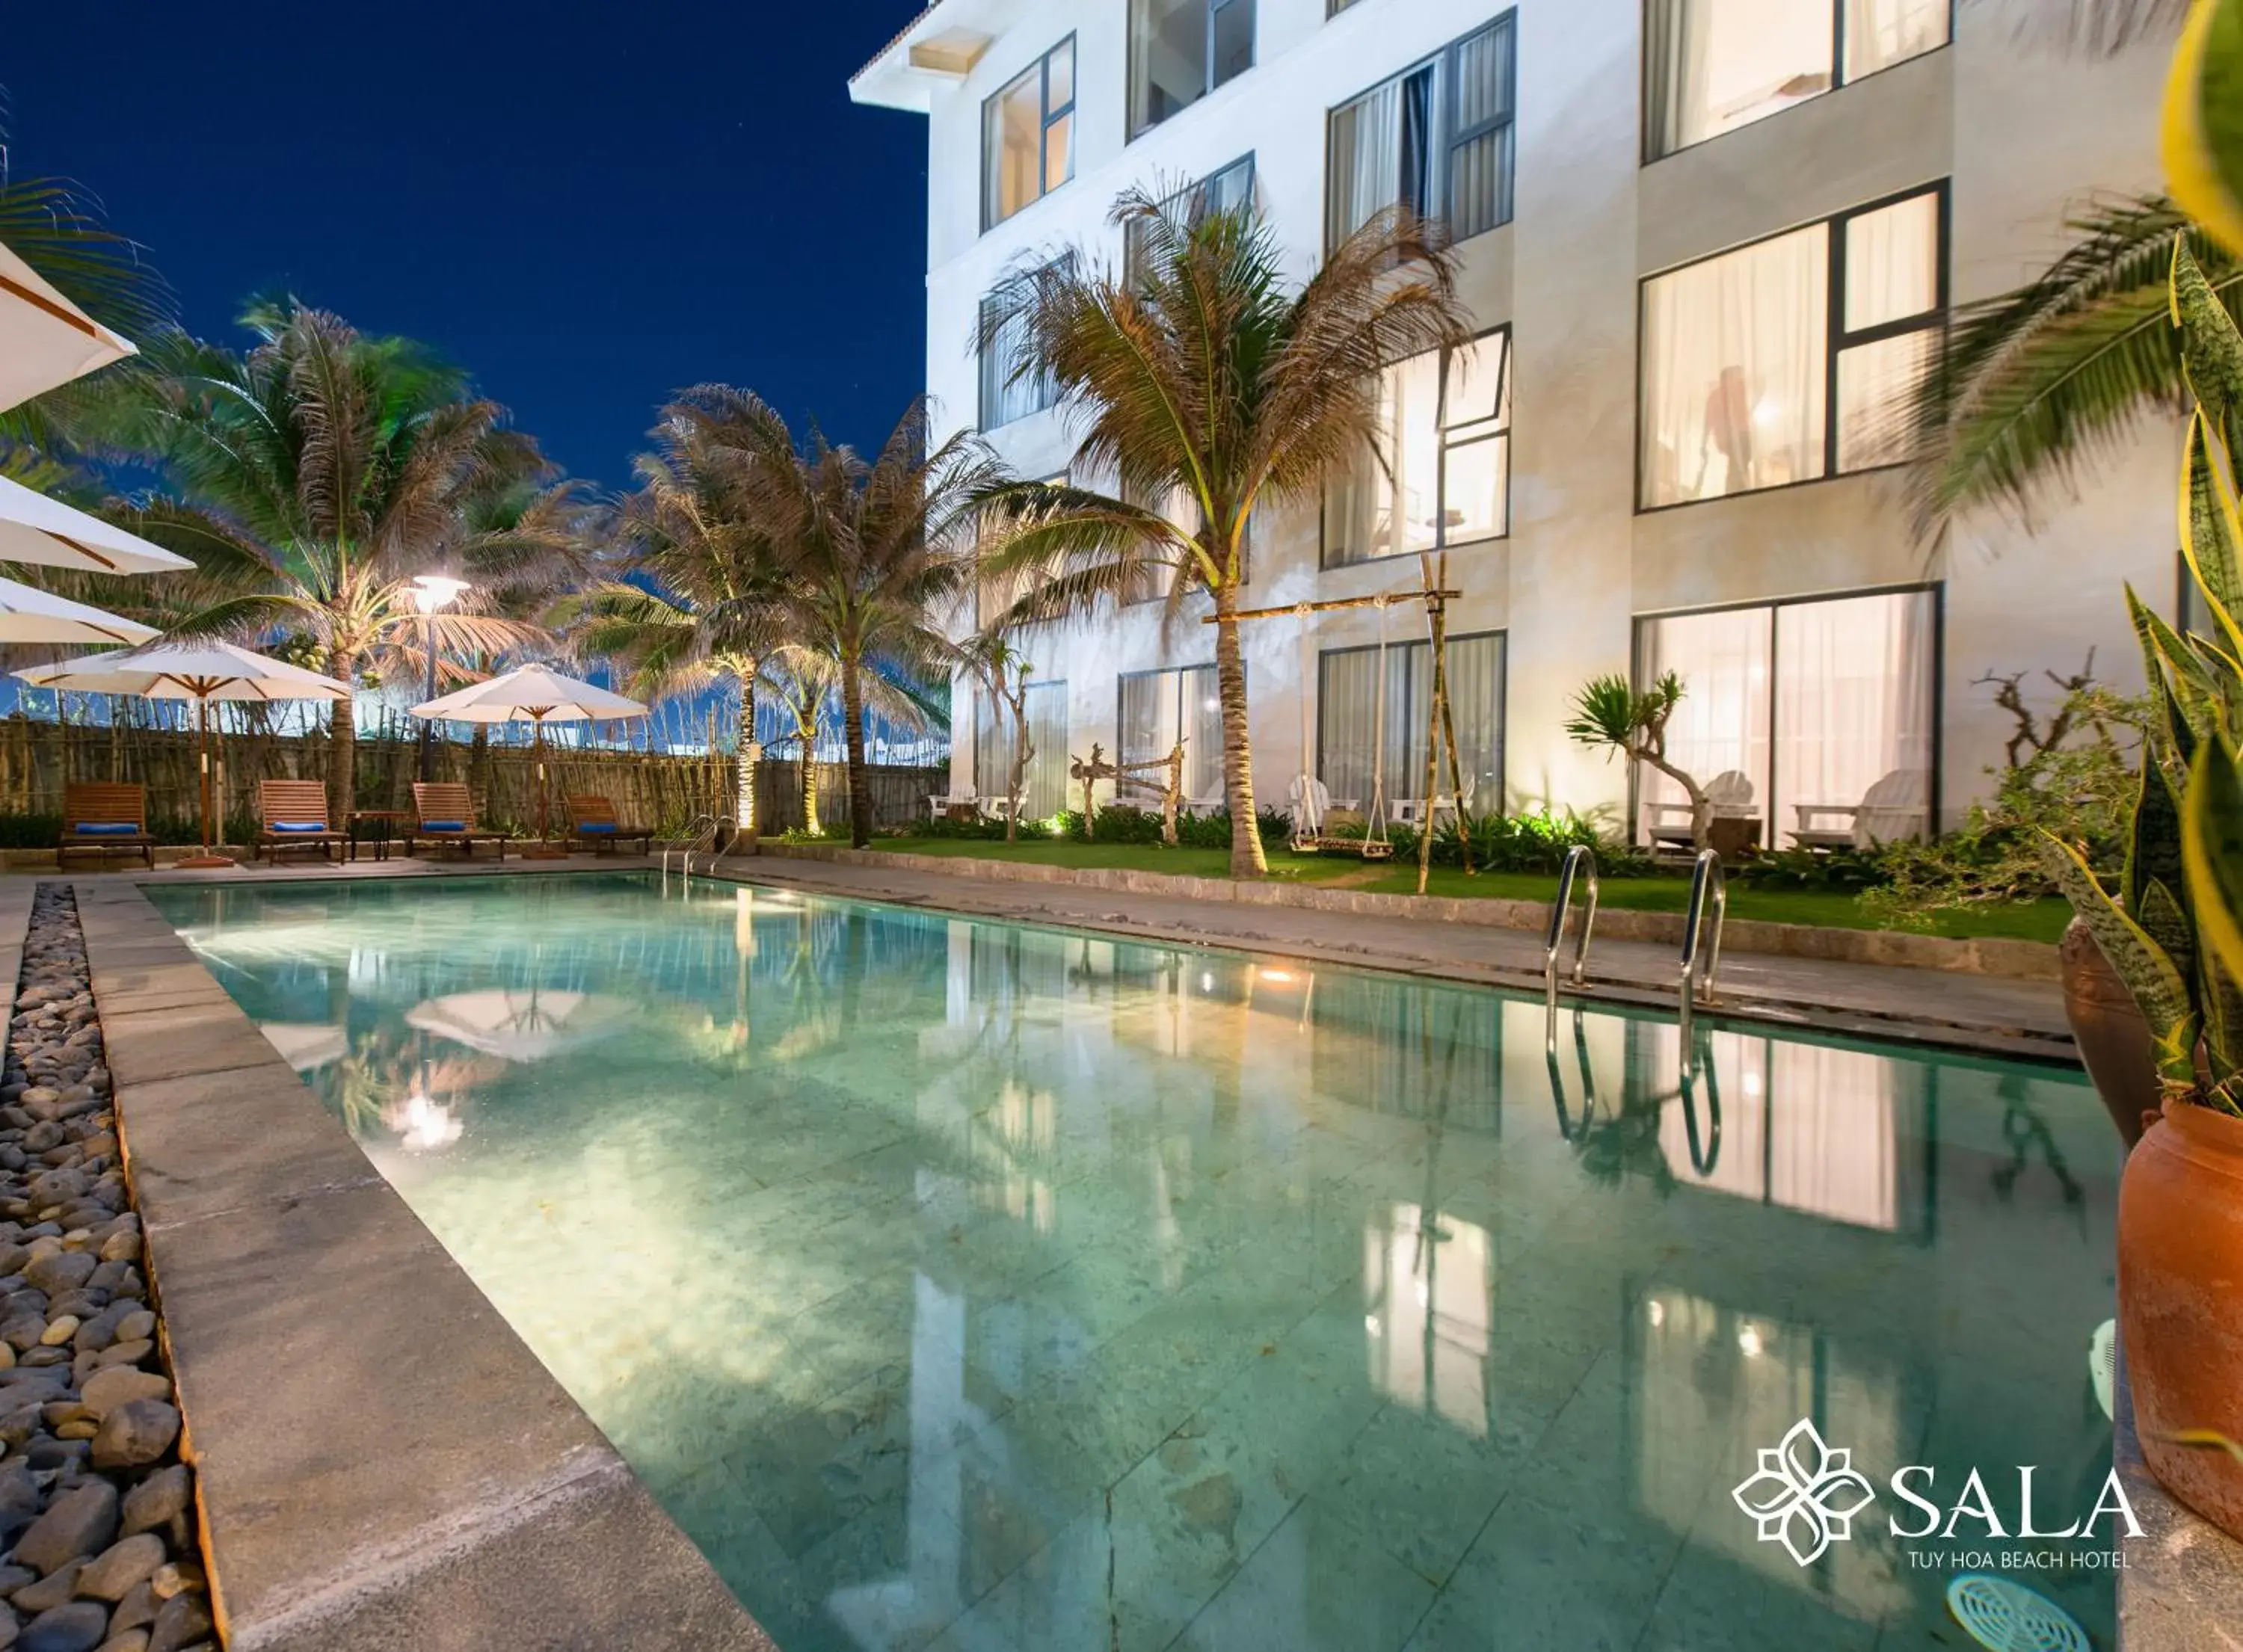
<point>544,851</point>
<point>204,857</point>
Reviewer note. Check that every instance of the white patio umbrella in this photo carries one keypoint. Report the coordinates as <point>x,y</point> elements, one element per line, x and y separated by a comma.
<point>523,1025</point>
<point>201,672</point>
<point>45,339</point>
<point>29,614</point>
<point>538,694</point>
<point>34,529</point>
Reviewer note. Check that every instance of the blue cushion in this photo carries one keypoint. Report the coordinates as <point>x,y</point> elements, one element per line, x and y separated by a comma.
<point>105,829</point>
<point>299,825</point>
<point>596,826</point>
<point>443,825</point>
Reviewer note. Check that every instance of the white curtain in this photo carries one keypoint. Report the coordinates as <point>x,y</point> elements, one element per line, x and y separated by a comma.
<point>1347,704</point>
<point>1892,275</point>
<point>1734,371</point>
<point>1043,789</point>
<point>1880,33</point>
<point>1713,65</point>
<point>1366,158</point>
<point>1853,706</point>
<point>1160,707</point>
<point>1722,725</point>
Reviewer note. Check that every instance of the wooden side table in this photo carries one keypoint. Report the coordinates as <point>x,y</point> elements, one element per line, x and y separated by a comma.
<point>383,817</point>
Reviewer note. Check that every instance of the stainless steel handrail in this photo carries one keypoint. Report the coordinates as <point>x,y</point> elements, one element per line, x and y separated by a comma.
<point>1705,876</point>
<point>1576,857</point>
<point>702,831</point>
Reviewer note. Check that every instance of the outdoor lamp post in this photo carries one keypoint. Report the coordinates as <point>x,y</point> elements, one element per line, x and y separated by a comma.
<point>432,592</point>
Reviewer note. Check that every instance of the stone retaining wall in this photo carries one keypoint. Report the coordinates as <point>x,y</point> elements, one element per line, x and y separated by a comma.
<point>2006,959</point>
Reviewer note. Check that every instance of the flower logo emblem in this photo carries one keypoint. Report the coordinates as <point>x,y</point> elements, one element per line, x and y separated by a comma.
<point>1805,1496</point>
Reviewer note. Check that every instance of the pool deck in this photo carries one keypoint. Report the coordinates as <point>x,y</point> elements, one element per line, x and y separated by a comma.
<point>1986,1015</point>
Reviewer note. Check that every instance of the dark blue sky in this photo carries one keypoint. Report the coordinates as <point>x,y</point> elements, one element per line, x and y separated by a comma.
<point>586,204</point>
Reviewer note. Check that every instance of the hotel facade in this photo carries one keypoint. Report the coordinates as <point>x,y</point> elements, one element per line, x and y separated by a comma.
<point>1700,240</point>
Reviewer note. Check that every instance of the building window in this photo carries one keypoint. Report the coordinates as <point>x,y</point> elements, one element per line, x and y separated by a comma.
<point>1714,65</point>
<point>1760,369</point>
<point>1006,393</point>
<point>1442,476</point>
<point>1347,720</point>
<point>1043,791</point>
<point>1159,709</point>
<point>1180,50</point>
<point>1812,720</point>
<point>1435,139</point>
<point>1028,135</point>
<point>1226,191</point>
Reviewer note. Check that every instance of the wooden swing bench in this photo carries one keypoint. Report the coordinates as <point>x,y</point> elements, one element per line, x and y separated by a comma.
<point>1325,843</point>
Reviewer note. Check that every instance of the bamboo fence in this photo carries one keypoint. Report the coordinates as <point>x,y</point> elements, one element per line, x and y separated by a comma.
<point>662,791</point>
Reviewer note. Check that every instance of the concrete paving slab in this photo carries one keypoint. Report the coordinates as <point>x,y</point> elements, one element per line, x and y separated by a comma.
<point>148,1046</point>
<point>202,1146</point>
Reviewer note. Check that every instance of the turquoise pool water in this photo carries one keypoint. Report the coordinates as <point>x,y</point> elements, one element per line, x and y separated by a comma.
<point>966,1286</point>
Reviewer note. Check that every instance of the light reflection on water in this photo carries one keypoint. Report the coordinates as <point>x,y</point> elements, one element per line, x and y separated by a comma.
<point>963,1285</point>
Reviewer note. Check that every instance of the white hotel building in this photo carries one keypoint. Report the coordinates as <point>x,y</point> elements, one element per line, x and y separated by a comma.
<point>1698,237</point>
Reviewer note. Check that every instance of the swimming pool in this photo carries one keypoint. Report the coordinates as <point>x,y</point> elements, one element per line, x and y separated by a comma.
<point>962,1284</point>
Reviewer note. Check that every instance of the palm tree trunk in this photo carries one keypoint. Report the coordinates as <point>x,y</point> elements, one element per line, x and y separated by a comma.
<point>1246,857</point>
<point>860,784</point>
<point>342,739</point>
<point>744,805</point>
<point>810,783</point>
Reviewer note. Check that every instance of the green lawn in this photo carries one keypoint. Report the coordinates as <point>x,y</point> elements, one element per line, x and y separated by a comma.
<point>2043,921</point>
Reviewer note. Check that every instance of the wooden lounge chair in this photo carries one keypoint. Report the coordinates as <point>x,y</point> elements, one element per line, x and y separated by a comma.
<point>592,819</point>
<point>294,813</point>
<point>104,818</point>
<point>443,813</point>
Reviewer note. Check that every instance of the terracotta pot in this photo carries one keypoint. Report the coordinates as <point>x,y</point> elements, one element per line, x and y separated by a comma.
<point>2114,1039</point>
<point>2180,1301</point>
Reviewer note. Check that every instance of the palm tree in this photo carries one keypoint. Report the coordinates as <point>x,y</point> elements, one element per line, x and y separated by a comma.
<point>705,609</point>
<point>317,473</point>
<point>1199,379</point>
<point>875,551</point>
<point>2037,383</point>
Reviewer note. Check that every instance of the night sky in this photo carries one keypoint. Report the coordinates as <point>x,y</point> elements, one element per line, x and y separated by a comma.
<point>585,205</point>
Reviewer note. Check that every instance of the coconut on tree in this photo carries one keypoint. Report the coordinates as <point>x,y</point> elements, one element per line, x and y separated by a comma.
<point>1204,384</point>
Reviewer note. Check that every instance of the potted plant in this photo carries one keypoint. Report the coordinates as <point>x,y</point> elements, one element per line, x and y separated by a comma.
<point>2171,931</point>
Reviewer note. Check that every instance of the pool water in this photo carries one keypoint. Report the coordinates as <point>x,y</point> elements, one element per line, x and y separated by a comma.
<point>962,1285</point>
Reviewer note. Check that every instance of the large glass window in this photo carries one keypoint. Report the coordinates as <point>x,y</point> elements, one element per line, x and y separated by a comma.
<point>1348,707</point>
<point>1813,720</point>
<point>1714,65</point>
<point>1043,792</point>
<point>1006,394</point>
<point>1435,139</point>
<point>1180,50</point>
<point>1160,707</point>
<point>1442,474</point>
<point>1028,135</point>
<point>1760,370</point>
<point>1220,191</point>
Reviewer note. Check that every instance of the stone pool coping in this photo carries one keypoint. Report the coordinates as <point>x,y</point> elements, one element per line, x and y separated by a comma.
<point>381,1462</point>
<point>2004,959</point>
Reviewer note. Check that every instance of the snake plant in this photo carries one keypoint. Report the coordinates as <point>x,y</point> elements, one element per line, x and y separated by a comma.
<point>2171,928</point>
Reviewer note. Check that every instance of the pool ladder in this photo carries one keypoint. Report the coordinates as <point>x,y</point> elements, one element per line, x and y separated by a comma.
<point>701,840</point>
<point>1578,858</point>
<point>1701,960</point>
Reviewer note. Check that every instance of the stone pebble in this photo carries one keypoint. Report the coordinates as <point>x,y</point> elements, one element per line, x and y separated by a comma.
<point>97,1550</point>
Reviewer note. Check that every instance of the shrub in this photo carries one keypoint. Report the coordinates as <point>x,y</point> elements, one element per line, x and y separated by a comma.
<point>1843,871</point>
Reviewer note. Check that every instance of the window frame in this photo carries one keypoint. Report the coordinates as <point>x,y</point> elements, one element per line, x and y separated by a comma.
<point>1209,84</point>
<point>1839,78</point>
<point>1443,145</point>
<point>1122,679</point>
<point>1042,67</point>
<point>1837,340</point>
<point>1442,449</point>
<point>1500,633</point>
<point>1193,196</point>
<point>985,388</point>
<point>1934,802</point>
